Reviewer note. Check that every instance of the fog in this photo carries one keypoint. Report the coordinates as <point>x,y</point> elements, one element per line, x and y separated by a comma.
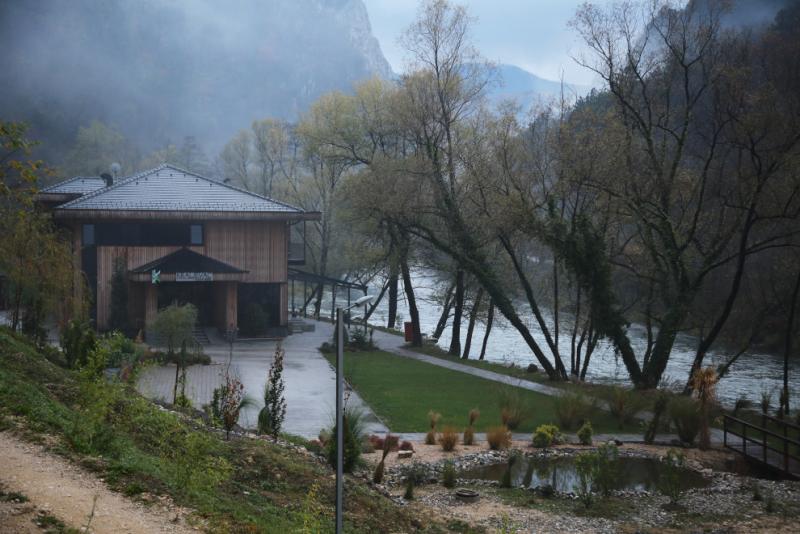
<point>159,70</point>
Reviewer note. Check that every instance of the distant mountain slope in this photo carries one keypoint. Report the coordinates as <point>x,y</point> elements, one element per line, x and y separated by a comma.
<point>526,88</point>
<point>162,69</point>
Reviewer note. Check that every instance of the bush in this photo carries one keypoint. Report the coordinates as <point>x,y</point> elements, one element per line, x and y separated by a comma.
<point>499,438</point>
<point>585,433</point>
<point>254,320</point>
<point>406,446</point>
<point>659,407</point>
<point>271,416</point>
<point>514,409</point>
<point>353,436</point>
<point>448,439</point>
<point>449,474</point>
<point>585,466</point>
<point>685,415</point>
<point>624,404</point>
<point>607,468</point>
<point>546,435</point>
<point>572,409</point>
<point>122,351</point>
<point>77,341</point>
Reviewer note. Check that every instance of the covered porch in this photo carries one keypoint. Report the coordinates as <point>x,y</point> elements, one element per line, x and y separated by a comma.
<point>187,277</point>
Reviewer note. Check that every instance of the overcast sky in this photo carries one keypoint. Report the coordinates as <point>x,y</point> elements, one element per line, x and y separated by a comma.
<point>531,34</point>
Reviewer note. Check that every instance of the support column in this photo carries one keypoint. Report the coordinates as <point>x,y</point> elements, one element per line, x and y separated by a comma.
<point>150,305</point>
<point>231,304</point>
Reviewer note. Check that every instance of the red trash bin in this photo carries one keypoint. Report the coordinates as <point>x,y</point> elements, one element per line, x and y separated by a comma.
<point>408,328</point>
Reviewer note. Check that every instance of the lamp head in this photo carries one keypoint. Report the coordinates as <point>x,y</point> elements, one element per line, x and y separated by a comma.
<point>363,300</point>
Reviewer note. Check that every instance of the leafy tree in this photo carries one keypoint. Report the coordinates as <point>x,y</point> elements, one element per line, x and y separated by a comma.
<point>78,341</point>
<point>271,416</point>
<point>96,147</point>
<point>173,327</point>
<point>35,257</point>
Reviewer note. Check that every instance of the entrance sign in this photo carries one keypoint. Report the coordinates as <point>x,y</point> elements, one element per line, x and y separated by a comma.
<point>194,277</point>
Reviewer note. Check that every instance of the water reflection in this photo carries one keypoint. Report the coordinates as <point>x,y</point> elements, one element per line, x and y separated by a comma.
<point>634,474</point>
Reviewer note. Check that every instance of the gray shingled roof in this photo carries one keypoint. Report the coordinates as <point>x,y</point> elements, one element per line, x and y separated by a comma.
<point>168,188</point>
<point>79,185</point>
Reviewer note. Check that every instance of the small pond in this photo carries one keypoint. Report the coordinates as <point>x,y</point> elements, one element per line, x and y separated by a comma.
<point>634,474</point>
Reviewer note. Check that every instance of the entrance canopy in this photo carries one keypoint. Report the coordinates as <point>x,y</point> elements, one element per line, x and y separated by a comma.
<point>186,265</point>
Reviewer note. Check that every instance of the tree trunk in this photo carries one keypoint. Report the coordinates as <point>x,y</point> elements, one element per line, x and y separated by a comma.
<point>17,307</point>
<point>392,282</point>
<point>416,338</point>
<point>455,338</point>
<point>472,316</point>
<point>371,308</point>
<point>489,321</point>
<point>448,305</point>
<point>788,345</point>
<point>652,372</point>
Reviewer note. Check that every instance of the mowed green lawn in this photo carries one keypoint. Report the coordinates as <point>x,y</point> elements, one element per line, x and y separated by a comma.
<point>402,391</point>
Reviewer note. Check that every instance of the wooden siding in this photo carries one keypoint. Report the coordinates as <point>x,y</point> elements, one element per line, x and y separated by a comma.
<point>259,247</point>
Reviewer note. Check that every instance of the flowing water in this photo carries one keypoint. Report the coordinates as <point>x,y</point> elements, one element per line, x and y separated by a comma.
<point>753,373</point>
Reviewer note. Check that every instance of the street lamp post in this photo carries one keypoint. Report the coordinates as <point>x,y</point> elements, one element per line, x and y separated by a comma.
<point>340,408</point>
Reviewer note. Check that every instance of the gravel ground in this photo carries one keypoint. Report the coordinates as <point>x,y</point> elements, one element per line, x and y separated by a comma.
<point>726,505</point>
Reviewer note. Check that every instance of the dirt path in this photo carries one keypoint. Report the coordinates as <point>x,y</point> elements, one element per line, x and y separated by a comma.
<point>67,492</point>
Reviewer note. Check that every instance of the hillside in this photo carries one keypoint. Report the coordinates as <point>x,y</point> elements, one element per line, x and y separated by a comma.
<point>149,454</point>
<point>160,70</point>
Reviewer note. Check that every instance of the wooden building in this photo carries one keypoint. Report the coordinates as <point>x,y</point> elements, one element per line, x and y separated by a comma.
<point>181,238</point>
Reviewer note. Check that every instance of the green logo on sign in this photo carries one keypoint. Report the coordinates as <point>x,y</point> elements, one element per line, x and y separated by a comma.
<point>155,276</point>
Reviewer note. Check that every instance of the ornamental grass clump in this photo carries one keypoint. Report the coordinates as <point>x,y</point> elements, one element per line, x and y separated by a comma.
<point>572,409</point>
<point>377,476</point>
<point>514,409</point>
<point>469,432</point>
<point>448,439</point>
<point>498,438</point>
<point>433,420</point>
<point>624,404</point>
<point>585,465</point>
<point>704,384</point>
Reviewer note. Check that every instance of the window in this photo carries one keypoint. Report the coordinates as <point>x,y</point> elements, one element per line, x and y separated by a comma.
<point>88,235</point>
<point>196,237</point>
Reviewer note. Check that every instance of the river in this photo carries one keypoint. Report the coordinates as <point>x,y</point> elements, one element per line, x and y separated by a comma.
<point>753,373</point>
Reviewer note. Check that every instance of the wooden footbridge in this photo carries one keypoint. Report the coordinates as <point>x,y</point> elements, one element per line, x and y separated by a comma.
<point>775,443</point>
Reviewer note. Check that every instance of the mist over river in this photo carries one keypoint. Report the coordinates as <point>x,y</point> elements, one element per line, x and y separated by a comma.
<point>752,373</point>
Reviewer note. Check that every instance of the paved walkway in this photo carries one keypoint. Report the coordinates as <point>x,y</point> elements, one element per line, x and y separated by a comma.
<point>310,381</point>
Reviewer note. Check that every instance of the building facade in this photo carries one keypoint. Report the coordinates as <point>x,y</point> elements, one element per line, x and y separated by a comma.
<point>181,238</point>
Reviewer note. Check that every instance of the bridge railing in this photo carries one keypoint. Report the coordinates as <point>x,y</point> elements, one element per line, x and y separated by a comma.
<point>778,441</point>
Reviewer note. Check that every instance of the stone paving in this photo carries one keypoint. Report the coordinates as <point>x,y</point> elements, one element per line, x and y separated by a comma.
<point>310,381</point>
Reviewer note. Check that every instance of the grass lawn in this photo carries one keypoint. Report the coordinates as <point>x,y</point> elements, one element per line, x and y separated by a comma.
<point>402,391</point>
<point>602,391</point>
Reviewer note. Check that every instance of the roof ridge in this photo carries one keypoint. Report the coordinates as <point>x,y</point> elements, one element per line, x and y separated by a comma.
<point>67,181</point>
<point>88,197</point>
<point>229,186</point>
<point>116,184</point>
